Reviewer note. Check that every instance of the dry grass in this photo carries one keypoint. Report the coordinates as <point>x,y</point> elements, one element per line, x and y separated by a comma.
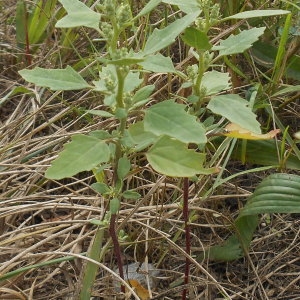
<point>43,220</point>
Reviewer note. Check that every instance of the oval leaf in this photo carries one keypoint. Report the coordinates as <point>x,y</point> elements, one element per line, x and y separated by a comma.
<point>57,80</point>
<point>158,63</point>
<point>170,118</point>
<point>123,167</point>
<point>83,153</point>
<point>173,158</point>
<point>161,38</point>
<point>141,138</point>
<point>215,82</point>
<point>236,110</point>
<point>196,38</point>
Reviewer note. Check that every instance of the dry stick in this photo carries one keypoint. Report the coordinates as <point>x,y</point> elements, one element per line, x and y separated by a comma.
<point>187,234</point>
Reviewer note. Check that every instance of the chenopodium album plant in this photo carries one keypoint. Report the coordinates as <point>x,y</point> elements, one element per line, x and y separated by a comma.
<point>167,128</point>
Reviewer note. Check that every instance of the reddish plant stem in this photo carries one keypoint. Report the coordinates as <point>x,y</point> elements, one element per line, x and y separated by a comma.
<point>27,45</point>
<point>187,233</point>
<point>116,245</point>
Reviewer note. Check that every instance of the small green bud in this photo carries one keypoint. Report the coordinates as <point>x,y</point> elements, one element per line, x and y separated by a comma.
<point>120,53</point>
<point>109,82</point>
<point>200,24</point>
<point>204,4</point>
<point>123,15</point>
<point>215,13</point>
<point>123,236</point>
<point>203,91</point>
<point>207,57</point>
<point>127,98</point>
<point>107,30</point>
<point>109,7</point>
<point>192,72</point>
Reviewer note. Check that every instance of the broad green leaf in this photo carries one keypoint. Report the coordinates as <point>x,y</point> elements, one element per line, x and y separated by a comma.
<point>100,134</point>
<point>240,42</point>
<point>196,38</point>
<point>161,38</point>
<point>158,63</point>
<point>131,195</point>
<point>215,82</point>
<point>278,193</point>
<point>228,251</point>
<point>143,93</point>
<point>56,80</point>
<point>170,118</point>
<point>101,113</point>
<point>187,6</point>
<point>258,13</point>
<point>78,15</point>
<point>83,153</point>
<point>173,158</point>
<point>237,244</point>
<point>132,81</point>
<point>141,138</point>
<point>100,187</point>
<point>148,7</point>
<point>236,110</point>
<point>123,167</point>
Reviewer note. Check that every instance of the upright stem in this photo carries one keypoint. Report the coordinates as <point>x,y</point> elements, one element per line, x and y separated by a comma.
<point>121,81</point>
<point>117,249</point>
<point>27,50</point>
<point>118,183</point>
<point>187,233</point>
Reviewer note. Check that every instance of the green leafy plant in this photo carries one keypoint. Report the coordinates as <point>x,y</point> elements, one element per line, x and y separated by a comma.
<point>277,193</point>
<point>172,134</point>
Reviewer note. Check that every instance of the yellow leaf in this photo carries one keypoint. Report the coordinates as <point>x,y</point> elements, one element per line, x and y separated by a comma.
<point>234,130</point>
<point>139,289</point>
